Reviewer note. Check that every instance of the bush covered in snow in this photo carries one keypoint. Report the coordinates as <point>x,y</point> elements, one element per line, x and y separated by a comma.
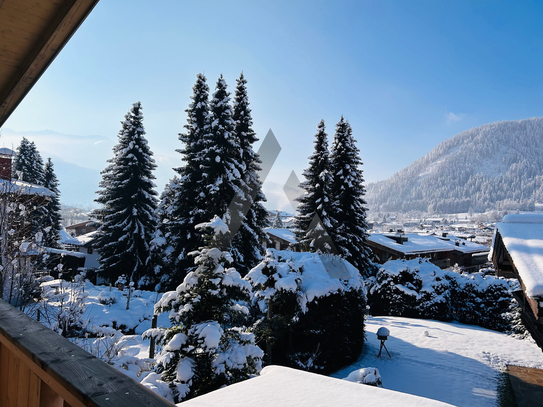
<point>309,310</point>
<point>419,289</point>
<point>366,375</point>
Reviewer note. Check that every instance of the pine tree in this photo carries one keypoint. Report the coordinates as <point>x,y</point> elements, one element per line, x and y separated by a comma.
<point>128,205</point>
<point>314,220</point>
<point>349,228</point>
<point>278,222</point>
<point>184,207</point>
<point>51,220</point>
<point>222,166</point>
<point>207,348</point>
<point>29,163</point>
<point>247,242</point>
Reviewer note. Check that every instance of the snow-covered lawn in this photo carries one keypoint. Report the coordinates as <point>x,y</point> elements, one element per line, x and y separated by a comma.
<point>451,362</point>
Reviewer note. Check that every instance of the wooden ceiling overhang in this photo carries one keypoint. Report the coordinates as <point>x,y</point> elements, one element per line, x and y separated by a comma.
<point>32,33</point>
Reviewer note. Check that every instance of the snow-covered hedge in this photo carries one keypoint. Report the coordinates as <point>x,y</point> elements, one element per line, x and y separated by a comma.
<point>309,310</point>
<point>419,289</point>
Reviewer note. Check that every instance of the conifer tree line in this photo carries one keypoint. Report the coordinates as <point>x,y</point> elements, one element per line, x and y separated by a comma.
<point>332,214</point>
<point>28,166</point>
<point>152,241</point>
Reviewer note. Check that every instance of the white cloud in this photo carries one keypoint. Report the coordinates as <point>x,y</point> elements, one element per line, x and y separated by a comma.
<point>453,118</point>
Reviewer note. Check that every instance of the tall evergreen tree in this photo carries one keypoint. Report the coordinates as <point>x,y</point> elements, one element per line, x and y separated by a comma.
<point>350,227</point>
<point>29,163</point>
<point>247,242</point>
<point>222,166</point>
<point>128,205</point>
<point>314,217</point>
<point>277,221</point>
<point>51,219</point>
<point>207,346</point>
<point>183,204</point>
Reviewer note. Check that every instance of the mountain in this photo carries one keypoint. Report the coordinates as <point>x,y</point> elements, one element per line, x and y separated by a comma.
<point>495,166</point>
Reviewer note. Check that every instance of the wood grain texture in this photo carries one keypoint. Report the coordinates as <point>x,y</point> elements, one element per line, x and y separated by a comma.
<point>75,375</point>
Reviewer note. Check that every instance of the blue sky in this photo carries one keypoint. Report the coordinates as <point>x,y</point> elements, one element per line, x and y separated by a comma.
<point>406,74</point>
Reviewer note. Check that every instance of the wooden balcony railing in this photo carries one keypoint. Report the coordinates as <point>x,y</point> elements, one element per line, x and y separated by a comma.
<point>40,368</point>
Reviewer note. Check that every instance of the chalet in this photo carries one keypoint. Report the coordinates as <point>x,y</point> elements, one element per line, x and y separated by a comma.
<point>82,228</point>
<point>517,252</point>
<point>443,250</point>
<point>281,239</point>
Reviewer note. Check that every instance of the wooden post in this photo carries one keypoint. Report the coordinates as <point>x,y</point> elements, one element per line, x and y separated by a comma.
<point>269,344</point>
<point>152,344</point>
<point>48,398</point>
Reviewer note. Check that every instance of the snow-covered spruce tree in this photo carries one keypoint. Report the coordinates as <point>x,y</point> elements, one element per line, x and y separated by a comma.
<point>277,221</point>
<point>183,205</point>
<point>349,231</point>
<point>28,163</point>
<point>247,242</point>
<point>206,347</point>
<point>128,204</point>
<point>51,220</point>
<point>314,217</point>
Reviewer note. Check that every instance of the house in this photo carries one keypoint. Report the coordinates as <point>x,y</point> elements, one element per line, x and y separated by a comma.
<point>517,252</point>
<point>443,250</point>
<point>281,239</point>
<point>82,228</point>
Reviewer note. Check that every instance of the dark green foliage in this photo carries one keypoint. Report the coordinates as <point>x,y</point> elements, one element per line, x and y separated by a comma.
<point>183,204</point>
<point>350,227</point>
<point>322,336</point>
<point>210,299</point>
<point>314,219</point>
<point>51,220</point>
<point>418,289</point>
<point>128,204</point>
<point>247,246</point>
<point>28,164</point>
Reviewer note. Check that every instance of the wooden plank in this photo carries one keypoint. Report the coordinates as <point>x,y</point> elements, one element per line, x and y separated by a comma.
<point>4,374</point>
<point>49,398</point>
<point>67,18</point>
<point>13,380</point>
<point>23,385</point>
<point>34,390</point>
<point>78,377</point>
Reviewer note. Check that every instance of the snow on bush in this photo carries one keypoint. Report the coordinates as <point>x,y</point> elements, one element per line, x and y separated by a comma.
<point>207,346</point>
<point>419,289</point>
<point>366,375</point>
<point>309,310</point>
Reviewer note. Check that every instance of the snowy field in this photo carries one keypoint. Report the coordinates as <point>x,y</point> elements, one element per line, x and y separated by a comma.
<point>450,362</point>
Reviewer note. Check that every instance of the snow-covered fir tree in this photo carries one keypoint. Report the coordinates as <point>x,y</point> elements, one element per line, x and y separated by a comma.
<point>51,218</point>
<point>277,221</point>
<point>207,346</point>
<point>28,164</point>
<point>247,241</point>
<point>183,204</point>
<point>128,212</point>
<point>350,227</point>
<point>314,219</point>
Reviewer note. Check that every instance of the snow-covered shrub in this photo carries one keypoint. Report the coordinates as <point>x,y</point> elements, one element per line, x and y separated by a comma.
<point>413,289</point>
<point>204,349</point>
<point>366,375</point>
<point>419,289</point>
<point>306,318</point>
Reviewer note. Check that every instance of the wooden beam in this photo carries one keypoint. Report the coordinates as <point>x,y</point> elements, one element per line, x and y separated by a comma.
<point>66,20</point>
<point>77,377</point>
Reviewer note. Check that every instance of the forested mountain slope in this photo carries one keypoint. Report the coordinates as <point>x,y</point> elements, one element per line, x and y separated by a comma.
<point>498,165</point>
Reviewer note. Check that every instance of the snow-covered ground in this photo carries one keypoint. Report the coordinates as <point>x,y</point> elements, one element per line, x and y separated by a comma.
<point>450,362</point>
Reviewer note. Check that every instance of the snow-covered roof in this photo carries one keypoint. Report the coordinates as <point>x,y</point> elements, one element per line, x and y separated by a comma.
<point>283,386</point>
<point>7,151</point>
<point>87,237</point>
<point>65,252</point>
<point>23,188</point>
<point>65,238</point>
<point>285,234</point>
<point>522,235</point>
<point>426,243</point>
